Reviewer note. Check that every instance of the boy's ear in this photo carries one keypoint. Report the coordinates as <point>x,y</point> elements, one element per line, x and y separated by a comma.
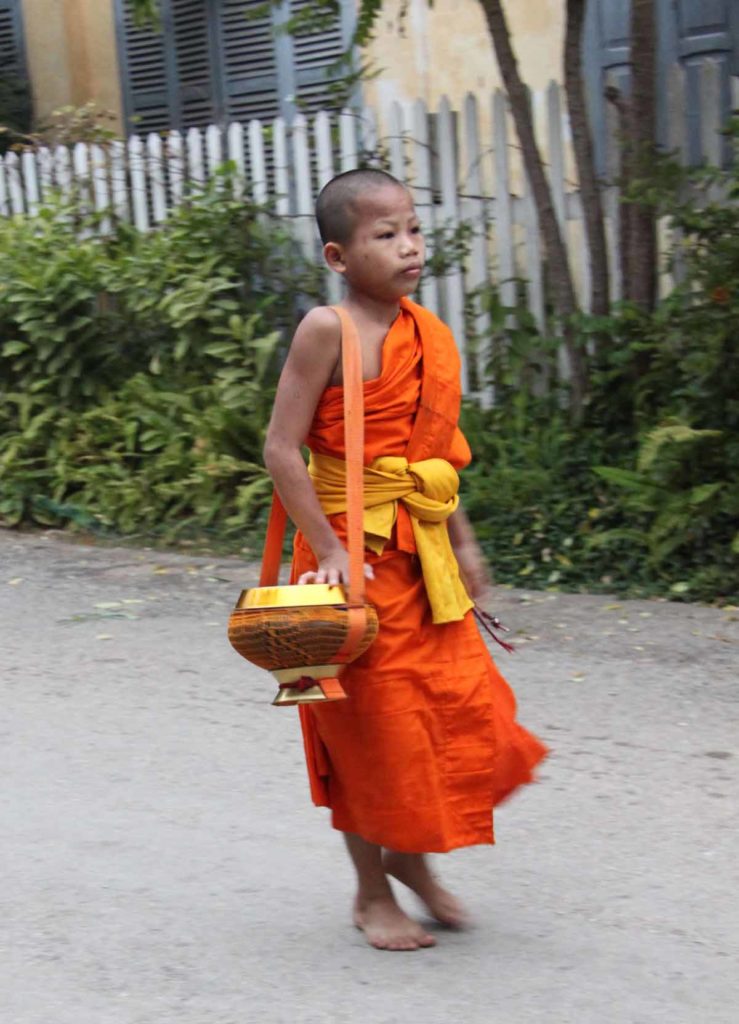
<point>334,257</point>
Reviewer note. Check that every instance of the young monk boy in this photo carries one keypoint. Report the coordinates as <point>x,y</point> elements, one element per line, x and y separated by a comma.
<point>427,743</point>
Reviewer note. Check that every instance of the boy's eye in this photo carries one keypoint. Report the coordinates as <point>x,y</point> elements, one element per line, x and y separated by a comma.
<point>416,230</point>
<point>387,234</point>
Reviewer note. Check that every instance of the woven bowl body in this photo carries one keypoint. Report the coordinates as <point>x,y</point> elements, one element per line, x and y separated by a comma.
<point>277,629</point>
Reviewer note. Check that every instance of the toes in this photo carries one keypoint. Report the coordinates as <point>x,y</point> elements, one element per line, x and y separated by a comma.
<point>403,946</point>
<point>403,943</point>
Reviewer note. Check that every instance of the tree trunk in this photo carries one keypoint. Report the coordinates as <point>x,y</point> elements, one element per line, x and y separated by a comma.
<point>583,148</point>
<point>640,284</point>
<point>558,270</point>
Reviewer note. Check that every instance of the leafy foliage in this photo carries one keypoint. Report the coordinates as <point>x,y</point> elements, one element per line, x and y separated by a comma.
<point>643,494</point>
<point>138,370</point>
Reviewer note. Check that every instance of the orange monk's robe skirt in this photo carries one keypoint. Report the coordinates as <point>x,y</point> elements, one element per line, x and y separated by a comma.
<point>427,743</point>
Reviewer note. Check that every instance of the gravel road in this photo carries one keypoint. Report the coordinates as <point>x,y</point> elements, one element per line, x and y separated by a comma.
<point>162,863</point>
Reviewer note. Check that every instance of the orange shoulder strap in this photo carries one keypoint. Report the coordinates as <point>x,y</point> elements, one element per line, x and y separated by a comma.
<point>351,360</point>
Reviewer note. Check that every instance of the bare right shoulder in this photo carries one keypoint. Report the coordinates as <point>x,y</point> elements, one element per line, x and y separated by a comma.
<point>309,367</point>
<point>318,338</point>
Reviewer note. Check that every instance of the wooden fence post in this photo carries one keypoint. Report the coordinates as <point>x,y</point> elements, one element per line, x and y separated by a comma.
<point>176,156</point>
<point>503,205</point>
<point>257,163</point>
<point>235,152</point>
<point>137,172</point>
<point>100,189</point>
<point>155,169</point>
<point>420,180</point>
<point>453,280</point>
<point>474,213</point>
<point>30,182</point>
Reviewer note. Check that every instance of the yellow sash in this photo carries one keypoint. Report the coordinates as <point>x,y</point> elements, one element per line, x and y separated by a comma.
<point>428,489</point>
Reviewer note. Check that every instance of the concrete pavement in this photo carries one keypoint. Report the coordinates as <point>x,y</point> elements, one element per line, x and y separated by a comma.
<point>162,862</point>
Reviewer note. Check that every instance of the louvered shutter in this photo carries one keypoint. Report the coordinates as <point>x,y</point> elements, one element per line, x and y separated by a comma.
<point>198,96</point>
<point>12,58</point>
<point>605,60</point>
<point>167,75</point>
<point>614,42</point>
<point>703,32</point>
<point>314,54</point>
<point>688,31</point>
<point>146,74</point>
<point>213,63</point>
<point>249,67</point>
<point>703,27</point>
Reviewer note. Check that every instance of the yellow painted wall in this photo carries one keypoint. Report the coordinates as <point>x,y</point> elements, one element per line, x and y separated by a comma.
<point>72,55</point>
<point>446,49</point>
<point>443,49</point>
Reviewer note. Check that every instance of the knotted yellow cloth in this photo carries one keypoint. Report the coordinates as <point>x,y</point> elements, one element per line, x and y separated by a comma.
<point>428,489</point>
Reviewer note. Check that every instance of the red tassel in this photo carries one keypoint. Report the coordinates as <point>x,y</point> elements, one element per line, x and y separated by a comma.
<point>490,623</point>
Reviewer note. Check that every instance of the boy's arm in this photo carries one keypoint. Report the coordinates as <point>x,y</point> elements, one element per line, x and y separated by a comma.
<point>310,364</point>
<point>472,565</point>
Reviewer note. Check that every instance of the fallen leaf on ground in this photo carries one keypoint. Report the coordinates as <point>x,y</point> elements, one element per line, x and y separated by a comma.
<point>15,582</point>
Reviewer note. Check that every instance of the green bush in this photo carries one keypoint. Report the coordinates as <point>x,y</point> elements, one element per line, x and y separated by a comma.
<point>642,496</point>
<point>139,369</point>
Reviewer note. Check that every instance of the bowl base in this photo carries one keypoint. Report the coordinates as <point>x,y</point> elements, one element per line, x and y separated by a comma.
<point>323,690</point>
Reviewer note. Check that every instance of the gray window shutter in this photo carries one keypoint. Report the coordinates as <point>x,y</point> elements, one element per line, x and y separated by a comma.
<point>249,61</point>
<point>213,63</point>
<point>267,73</point>
<point>198,98</point>
<point>167,75</point>
<point>15,94</point>
<point>703,27</point>
<point>314,54</point>
<point>147,73</point>
<point>12,56</point>
<point>688,31</point>
<point>703,32</point>
<point>605,61</point>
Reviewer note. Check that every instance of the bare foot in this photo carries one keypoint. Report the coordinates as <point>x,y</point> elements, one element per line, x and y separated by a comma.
<point>412,870</point>
<point>387,927</point>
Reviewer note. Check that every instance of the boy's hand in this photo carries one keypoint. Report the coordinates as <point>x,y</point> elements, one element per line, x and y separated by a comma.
<point>333,569</point>
<point>473,569</point>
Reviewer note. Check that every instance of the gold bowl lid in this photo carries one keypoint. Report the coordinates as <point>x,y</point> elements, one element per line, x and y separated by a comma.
<point>291,596</point>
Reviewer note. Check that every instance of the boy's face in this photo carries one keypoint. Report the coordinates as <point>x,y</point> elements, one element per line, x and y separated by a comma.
<point>386,252</point>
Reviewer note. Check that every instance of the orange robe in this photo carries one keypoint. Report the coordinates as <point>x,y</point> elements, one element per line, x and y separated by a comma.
<point>427,743</point>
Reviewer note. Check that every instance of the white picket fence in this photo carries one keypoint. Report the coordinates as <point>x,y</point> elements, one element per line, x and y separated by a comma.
<point>464,168</point>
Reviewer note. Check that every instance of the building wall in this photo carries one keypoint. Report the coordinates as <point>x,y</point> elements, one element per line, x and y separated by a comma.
<point>447,48</point>
<point>72,55</point>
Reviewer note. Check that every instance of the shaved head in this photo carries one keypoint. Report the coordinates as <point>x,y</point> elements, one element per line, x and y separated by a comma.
<point>338,201</point>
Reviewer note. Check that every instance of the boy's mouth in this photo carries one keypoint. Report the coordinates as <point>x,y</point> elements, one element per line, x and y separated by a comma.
<point>414,270</point>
